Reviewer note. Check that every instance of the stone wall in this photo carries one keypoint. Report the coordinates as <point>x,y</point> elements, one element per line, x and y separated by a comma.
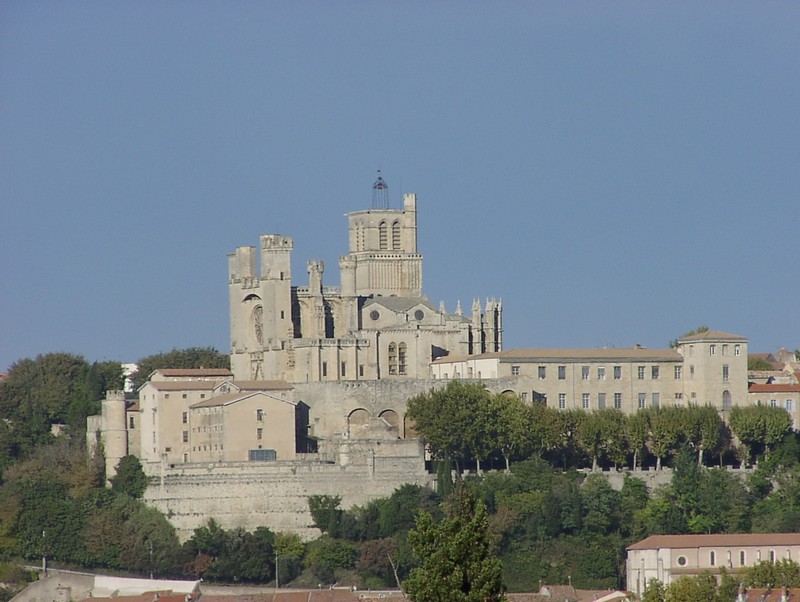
<point>274,494</point>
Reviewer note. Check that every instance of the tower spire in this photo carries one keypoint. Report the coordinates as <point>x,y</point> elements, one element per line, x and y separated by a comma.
<point>380,193</point>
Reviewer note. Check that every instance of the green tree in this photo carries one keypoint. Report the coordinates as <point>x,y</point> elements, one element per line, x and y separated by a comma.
<point>759,428</point>
<point>654,592</point>
<point>782,573</point>
<point>759,364</point>
<point>192,357</point>
<point>637,429</point>
<point>516,423</point>
<point>130,478</point>
<point>446,419</point>
<point>700,329</point>
<point>325,512</point>
<point>692,589</point>
<point>456,556</point>
<point>326,555</point>
<point>666,430</point>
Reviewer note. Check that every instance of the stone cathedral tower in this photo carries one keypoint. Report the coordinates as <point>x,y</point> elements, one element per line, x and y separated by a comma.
<point>376,325</point>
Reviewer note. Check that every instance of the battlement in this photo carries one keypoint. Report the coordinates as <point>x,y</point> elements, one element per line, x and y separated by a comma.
<point>276,242</point>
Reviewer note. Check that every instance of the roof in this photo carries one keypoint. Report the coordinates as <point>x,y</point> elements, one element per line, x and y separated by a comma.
<point>182,385</point>
<point>640,354</point>
<point>771,595</point>
<point>774,388</point>
<point>399,304</point>
<point>231,398</point>
<point>712,335</point>
<point>719,540</point>
<point>184,372</point>
<point>258,385</point>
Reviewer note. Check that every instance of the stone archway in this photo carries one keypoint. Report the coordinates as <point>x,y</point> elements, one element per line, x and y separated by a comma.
<point>391,418</point>
<point>358,422</point>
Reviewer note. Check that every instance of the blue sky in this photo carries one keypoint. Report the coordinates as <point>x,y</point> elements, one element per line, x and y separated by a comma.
<point>616,172</point>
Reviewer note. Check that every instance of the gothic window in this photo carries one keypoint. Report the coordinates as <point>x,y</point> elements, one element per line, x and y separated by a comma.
<point>396,236</point>
<point>383,236</point>
<point>392,358</point>
<point>401,358</point>
<point>258,324</point>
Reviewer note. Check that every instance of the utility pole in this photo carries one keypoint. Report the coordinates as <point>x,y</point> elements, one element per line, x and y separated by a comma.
<point>44,555</point>
<point>276,569</point>
<point>150,546</point>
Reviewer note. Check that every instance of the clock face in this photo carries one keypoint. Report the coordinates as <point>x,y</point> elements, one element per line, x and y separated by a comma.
<point>258,324</point>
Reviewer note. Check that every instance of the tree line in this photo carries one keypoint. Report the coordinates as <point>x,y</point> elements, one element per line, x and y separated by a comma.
<point>463,423</point>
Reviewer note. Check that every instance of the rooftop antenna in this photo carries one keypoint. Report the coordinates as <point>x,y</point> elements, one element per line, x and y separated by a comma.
<point>380,193</point>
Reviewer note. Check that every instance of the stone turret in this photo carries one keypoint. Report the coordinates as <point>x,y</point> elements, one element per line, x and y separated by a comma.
<point>114,433</point>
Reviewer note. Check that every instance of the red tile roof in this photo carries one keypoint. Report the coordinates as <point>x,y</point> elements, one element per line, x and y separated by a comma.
<point>704,541</point>
<point>774,388</point>
<point>184,372</point>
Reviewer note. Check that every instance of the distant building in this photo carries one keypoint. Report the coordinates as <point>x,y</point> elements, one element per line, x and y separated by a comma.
<point>786,396</point>
<point>709,368</point>
<point>376,325</point>
<point>666,557</point>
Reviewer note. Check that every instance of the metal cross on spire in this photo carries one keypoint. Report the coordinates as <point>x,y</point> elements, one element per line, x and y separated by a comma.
<point>380,193</point>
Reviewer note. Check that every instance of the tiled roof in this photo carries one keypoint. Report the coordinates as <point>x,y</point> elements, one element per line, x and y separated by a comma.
<point>774,388</point>
<point>721,540</point>
<point>712,335</point>
<point>604,354</point>
<point>184,372</point>
<point>258,385</point>
<point>183,385</point>
<point>399,304</point>
<point>771,595</point>
<point>229,398</point>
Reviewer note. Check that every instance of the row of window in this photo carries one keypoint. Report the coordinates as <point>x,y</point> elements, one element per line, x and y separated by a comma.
<point>601,400</point>
<point>342,369</point>
<point>203,448</point>
<point>384,231</point>
<point>788,404</point>
<point>641,372</point>
<point>712,558</point>
<point>183,396</point>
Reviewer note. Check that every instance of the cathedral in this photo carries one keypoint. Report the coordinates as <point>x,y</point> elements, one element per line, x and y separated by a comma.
<point>376,325</point>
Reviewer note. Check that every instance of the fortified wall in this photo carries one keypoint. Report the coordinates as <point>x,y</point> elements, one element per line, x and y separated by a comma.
<point>274,494</point>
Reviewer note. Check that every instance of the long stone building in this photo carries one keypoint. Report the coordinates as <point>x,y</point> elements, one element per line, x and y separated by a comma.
<point>709,368</point>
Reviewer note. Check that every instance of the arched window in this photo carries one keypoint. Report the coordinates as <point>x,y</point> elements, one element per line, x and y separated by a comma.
<point>401,358</point>
<point>383,236</point>
<point>396,236</point>
<point>392,358</point>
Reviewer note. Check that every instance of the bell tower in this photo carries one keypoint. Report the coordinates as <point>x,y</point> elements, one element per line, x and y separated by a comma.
<point>383,247</point>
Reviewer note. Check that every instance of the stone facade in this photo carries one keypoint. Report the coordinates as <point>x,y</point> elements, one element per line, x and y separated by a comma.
<point>376,325</point>
<point>667,557</point>
<point>275,494</point>
<point>709,368</point>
